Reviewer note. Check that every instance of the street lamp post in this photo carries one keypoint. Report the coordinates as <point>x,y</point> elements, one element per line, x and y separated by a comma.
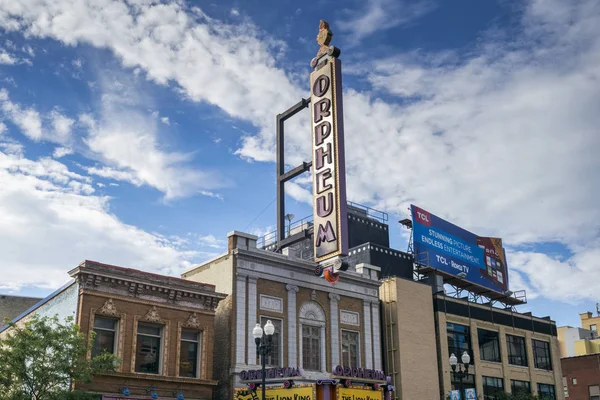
<point>460,373</point>
<point>263,347</point>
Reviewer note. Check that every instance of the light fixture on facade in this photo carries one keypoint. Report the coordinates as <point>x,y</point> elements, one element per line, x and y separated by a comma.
<point>263,348</point>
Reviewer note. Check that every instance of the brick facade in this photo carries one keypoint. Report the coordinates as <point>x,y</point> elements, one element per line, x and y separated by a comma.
<point>580,373</point>
<point>131,297</point>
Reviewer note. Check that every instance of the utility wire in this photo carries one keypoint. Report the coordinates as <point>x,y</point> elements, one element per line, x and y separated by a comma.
<point>261,213</point>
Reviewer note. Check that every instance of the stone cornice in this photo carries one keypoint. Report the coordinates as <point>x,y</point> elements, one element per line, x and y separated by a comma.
<point>102,272</point>
<point>177,307</point>
<point>162,378</point>
<point>296,265</point>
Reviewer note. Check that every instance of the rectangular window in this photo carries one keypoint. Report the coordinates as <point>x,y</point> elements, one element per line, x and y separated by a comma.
<point>541,355</point>
<point>491,387</point>
<point>148,348</point>
<point>274,357</point>
<point>189,353</point>
<point>594,392</point>
<point>489,345</point>
<point>311,348</point>
<point>546,392</point>
<point>350,349</point>
<point>105,329</point>
<point>459,340</point>
<point>517,387</point>
<point>517,355</point>
<point>467,383</point>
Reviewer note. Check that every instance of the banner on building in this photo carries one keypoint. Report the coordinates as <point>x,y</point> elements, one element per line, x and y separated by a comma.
<point>358,393</point>
<point>329,174</point>
<point>300,392</point>
<point>456,251</point>
<point>470,394</point>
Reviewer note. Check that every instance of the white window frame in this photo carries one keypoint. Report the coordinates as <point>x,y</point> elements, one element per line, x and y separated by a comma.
<point>358,359</point>
<point>267,317</point>
<point>311,313</point>
<point>198,355</point>
<point>116,330</point>
<point>161,350</point>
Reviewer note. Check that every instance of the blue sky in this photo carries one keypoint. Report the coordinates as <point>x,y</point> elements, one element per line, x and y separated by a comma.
<point>140,132</point>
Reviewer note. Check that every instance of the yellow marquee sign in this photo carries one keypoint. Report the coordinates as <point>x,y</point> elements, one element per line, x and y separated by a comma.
<point>354,393</point>
<point>305,392</point>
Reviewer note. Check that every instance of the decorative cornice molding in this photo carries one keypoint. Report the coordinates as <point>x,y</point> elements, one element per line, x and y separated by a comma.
<point>135,288</point>
<point>292,288</point>
<point>95,293</point>
<point>109,309</point>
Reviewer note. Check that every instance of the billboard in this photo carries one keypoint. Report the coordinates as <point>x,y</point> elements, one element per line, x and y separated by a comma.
<point>453,250</point>
<point>329,174</point>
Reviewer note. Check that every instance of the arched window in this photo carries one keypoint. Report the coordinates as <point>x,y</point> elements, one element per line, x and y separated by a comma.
<point>312,330</point>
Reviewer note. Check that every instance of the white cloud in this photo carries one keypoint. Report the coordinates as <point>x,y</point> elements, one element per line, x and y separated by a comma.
<point>7,59</point>
<point>61,152</point>
<point>572,280</point>
<point>165,120</point>
<point>27,119</point>
<point>31,122</point>
<point>62,126</point>
<point>212,241</point>
<point>379,15</point>
<point>128,144</point>
<point>111,173</point>
<point>298,193</point>
<point>235,12</point>
<point>169,42</point>
<point>45,209</point>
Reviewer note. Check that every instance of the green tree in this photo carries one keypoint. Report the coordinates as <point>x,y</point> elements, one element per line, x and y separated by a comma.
<point>43,358</point>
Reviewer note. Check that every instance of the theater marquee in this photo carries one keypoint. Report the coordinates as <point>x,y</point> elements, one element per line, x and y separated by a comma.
<point>329,175</point>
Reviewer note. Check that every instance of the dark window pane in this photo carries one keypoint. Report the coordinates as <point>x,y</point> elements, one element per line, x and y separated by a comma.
<point>491,387</point>
<point>274,357</point>
<point>104,323</point>
<point>546,392</point>
<point>191,336</point>
<point>489,346</point>
<point>350,349</point>
<point>147,358</point>
<point>104,341</point>
<point>459,340</point>
<point>517,355</point>
<point>520,387</point>
<point>148,329</point>
<point>188,359</point>
<point>541,355</point>
<point>311,348</point>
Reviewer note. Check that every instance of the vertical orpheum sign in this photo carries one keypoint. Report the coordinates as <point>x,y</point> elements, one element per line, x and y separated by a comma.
<point>329,173</point>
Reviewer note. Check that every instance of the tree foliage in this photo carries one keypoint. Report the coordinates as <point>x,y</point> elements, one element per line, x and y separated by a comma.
<point>43,358</point>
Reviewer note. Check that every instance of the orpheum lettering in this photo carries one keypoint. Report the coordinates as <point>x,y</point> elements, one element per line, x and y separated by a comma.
<point>329,191</point>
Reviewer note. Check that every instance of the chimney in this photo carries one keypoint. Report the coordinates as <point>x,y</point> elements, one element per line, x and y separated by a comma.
<point>241,240</point>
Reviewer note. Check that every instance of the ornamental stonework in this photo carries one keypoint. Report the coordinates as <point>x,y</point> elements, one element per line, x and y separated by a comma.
<point>109,309</point>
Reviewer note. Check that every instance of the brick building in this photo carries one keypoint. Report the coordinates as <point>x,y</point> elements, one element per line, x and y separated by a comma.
<point>12,306</point>
<point>162,328</point>
<point>581,375</point>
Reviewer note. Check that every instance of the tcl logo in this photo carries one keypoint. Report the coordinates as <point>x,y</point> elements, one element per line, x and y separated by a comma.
<point>423,217</point>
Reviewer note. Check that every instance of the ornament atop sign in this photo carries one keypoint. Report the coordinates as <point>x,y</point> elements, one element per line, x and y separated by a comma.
<point>329,172</point>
